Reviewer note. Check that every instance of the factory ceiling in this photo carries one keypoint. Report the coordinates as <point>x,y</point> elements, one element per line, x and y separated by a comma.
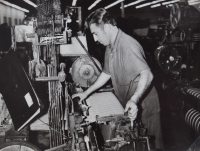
<point>151,5</point>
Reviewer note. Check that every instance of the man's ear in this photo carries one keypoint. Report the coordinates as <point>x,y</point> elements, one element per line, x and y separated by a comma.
<point>107,28</point>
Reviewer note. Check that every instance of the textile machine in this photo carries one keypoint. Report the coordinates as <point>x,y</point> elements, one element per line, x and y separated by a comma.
<point>178,56</point>
<point>90,125</point>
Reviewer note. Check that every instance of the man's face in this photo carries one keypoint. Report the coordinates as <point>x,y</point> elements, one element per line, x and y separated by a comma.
<point>100,34</point>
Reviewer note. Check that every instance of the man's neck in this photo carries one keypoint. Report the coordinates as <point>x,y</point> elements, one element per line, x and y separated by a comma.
<point>114,32</point>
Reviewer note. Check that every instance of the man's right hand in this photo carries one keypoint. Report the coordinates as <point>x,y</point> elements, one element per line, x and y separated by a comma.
<point>102,79</point>
<point>81,95</point>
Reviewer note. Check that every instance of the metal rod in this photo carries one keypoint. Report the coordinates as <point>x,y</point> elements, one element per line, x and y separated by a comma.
<point>148,146</point>
<point>56,120</point>
<point>61,108</point>
<point>49,110</point>
<point>44,79</point>
<point>66,107</point>
<point>122,10</point>
<point>59,119</point>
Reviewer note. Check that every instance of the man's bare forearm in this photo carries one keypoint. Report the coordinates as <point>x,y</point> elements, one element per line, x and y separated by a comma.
<point>145,80</point>
<point>102,79</point>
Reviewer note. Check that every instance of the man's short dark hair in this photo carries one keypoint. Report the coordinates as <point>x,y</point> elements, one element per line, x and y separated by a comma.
<point>99,17</point>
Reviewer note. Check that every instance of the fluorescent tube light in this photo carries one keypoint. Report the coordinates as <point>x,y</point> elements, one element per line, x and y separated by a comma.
<point>94,4</point>
<point>194,2</point>
<point>143,5</point>
<point>113,4</point>
<point>14,6</point>
<point>170,2</point>
<point>156,5</point>
<point>170,5</point>
<point>133,3</point>
<point>30,3</point>
<point>74,2</point>
<point>149,3</point>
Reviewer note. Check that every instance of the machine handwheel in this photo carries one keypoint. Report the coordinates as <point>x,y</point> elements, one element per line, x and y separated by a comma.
<point>175,16</point>
<point>18,146</point>
<point>169,59</point>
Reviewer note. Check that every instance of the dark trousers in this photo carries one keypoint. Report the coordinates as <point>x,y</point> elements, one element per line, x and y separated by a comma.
<point>153,126</point>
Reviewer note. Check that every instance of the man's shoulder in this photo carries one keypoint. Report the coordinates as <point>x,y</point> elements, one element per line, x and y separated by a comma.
<point>127,41</point>
<point>128,44</point>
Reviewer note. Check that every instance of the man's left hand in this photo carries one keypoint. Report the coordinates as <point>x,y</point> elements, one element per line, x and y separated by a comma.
<point>132,110</point>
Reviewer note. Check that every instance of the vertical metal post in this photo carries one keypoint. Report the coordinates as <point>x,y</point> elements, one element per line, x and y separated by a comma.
<point>188,60</point>
<point>122,10</point>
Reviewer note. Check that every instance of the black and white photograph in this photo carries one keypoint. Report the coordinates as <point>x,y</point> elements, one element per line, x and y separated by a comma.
<point>99,75</point>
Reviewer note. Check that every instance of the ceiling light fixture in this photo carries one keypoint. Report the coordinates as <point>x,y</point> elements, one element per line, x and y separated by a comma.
<point>74,2</point>
<point>170,5</point>
<point>94,4</point>
<point>170,2</point>
<point>156,5</point>
<point>133,3</point>
<point>30,3</point>
<point>193,2</point>
<point>113,4</point>
<point>149,3</point>
<point>14,6</point>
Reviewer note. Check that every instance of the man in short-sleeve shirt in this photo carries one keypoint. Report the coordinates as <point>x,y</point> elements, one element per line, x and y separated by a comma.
<point>126,66</point>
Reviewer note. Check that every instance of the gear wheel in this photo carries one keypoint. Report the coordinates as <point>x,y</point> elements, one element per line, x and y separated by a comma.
<point>175,16</point>
<point>169,58</point>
